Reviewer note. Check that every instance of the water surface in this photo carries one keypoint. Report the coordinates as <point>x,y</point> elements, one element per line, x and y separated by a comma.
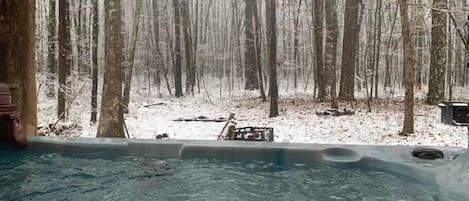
<point>54,176</point>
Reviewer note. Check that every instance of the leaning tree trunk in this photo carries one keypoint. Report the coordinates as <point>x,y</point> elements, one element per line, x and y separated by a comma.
<point>17,57</point>
<point>272,55</point>
<point>408,70</point>
<point>133,46</point>
<point>111,119</point>
<point>436,84</point>
<point>350,42</point>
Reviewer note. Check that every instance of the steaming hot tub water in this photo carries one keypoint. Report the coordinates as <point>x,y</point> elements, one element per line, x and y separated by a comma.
<point>63,173</point>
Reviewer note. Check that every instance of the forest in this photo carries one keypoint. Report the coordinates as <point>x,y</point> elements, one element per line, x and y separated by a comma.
<point>129,68</point>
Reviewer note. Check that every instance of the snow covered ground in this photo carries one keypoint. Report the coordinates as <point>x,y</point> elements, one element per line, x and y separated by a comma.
<point>298,121</point>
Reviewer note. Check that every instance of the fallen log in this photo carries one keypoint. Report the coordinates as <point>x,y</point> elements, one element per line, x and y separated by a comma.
<point>202,119</point>
<point>336,113</point>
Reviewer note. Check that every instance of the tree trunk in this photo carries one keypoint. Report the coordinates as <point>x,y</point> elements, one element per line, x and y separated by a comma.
<point>436,84</point>
<point>52,55</point>
<point>258,34</point>
<point>389,54</point>
<point>111,119</point>
<point>321,80</point>
<point>331,48</point>
<point>94,74</point>
<point>296,43</point>
<point>252,80</point>
<point>133,45</point>
<point>259,52</point>
<point>408,70</point>
<point>351,31</point>
<point>272,55</point>
<point>64,57</point>
<point>420,41</point>
<point>188,43</point>
<point>378,22</point>
<point>17,58</point>
<point>177,50</point>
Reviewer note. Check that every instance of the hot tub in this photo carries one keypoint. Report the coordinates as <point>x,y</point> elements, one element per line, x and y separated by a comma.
<point>56,168</point>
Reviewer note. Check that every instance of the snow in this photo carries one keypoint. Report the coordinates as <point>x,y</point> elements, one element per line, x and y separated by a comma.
<point>298,122</point>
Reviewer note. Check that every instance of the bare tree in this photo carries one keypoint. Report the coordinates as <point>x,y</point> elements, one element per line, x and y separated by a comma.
<point>321,78</point>
<point>350,42</point>
<point>436,84</point>
<point>408,70</point>
<point>271,20</point>
<point>52,54</point>
<point>95,67</point>
<point>131,57</point>
<point>177,50</point>
<point>64,57</point>
<point>188,43</point>
<point>252,80</point>
<point>111,117</point>
<point>331,48</point>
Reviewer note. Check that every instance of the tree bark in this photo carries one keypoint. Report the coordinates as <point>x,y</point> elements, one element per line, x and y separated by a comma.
<point>252,81</point>
<point>188,43</point>
<point>259,53</point>
<point>52,54</point>
<point>177,50</point>
<point>95,67</point>
<point>133,45</point>
<point>64,57</point>
<point>111,119</point>
<point>321,80</point>
<point>408,70</point>
<point>436,84</point>
<point>331,48</point>
<point>351,31</point>
<point>17,58</point>
<point>271,20</point>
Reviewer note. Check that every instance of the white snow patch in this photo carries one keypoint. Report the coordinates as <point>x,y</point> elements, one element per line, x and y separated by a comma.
<point>297,123</point>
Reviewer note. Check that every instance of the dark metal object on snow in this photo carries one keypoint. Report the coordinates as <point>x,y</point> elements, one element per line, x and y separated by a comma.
<point>261,134</point>
<point>454,113</point>
<point>11,131</point>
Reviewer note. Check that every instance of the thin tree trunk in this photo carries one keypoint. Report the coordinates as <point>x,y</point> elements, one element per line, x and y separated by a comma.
<point>408,70</point>
<point>379,18</point>
<point>331,48</point>
<point>321,78</point>
<point>133,45</point>
<point>252,80</point>
<point>187,31</point>
<point>177,50</point>
<point>272,55</point>
<point>95,70</point>
<point>64,57</point>
<point>52,55</point>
